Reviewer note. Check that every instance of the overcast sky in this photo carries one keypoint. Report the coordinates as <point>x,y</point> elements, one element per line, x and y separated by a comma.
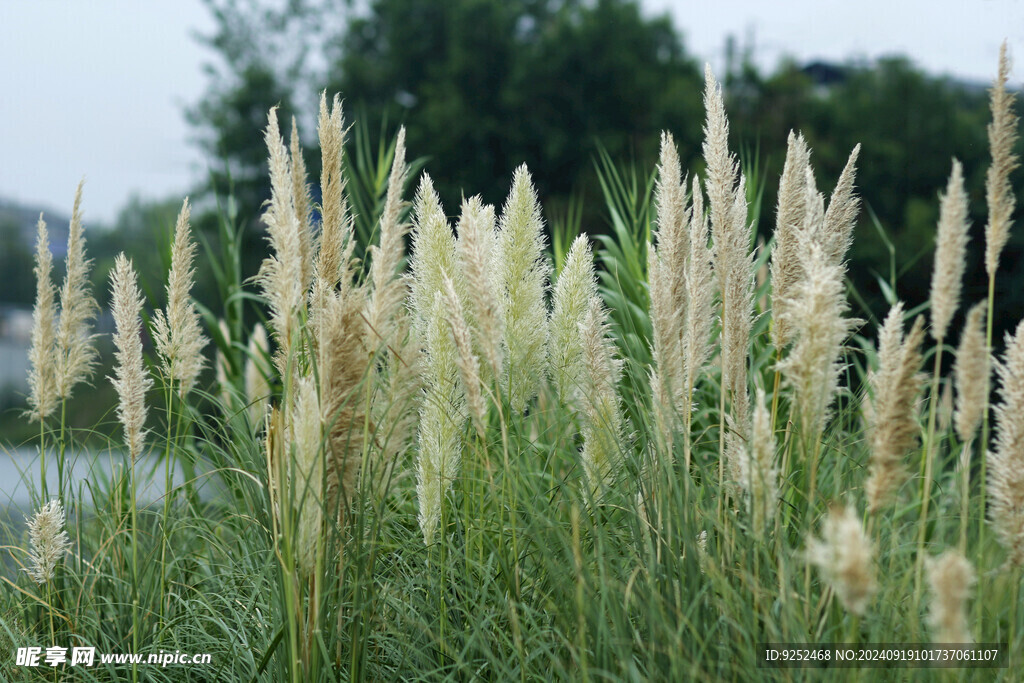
<point>98,88</point>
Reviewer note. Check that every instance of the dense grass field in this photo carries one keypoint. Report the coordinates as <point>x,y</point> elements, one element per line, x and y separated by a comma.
<point>434,442</point>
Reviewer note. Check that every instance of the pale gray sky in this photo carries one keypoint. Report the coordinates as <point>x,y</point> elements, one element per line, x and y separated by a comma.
<point>98,88</point>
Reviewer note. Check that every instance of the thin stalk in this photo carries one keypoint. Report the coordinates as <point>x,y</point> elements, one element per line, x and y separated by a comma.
<point>965,501</point>
<point>135,568</point>
<point>983,445</point>
<point>927,463</point>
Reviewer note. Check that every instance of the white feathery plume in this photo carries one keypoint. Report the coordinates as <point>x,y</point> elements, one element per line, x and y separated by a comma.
<point>574,290</point>
<point>950,253</point>
<point>130,378</point>
<point>523,274</point>
<point>177,333</point>
<point>76,355</point>
<point>42,378</point>
<point>845,556</point>
<point>1006,461</point>
<point>49,541</point>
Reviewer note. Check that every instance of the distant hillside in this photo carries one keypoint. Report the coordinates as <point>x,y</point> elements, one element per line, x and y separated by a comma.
<point>17,248</point>
<point>18,226</point>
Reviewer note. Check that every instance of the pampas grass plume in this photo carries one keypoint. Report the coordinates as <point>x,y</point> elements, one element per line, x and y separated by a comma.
<point>177,333</point>
<point>952,578</point>
<point>845,556</point>
<point>76,354</point>
<point>1006,461</point>
<point>1002,138</point>
<point>892,413</point>
<point>972,370</point>
<point>950,253</point>
<point>130,378</point>
<point>42,378</point>
<point>49,541</point>
<point>574,290</point>
<point>523,272</point>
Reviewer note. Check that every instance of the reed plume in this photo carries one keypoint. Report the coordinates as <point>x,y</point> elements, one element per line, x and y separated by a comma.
<point>303,206</point>
<point>666,269</point>
<point>344,364</point>
<point>42,377</point>
<point>443,410</point>
<point>389,292</point>
<point>892,426</point>
<point>523,272</point>
<point>814,317</point>
<point>336,244</point>
<point>177,334</point>
<point>972,370</point>
<point>465,359</point>
<point>950,253</point>
<point>433,256</point>
<point>759,476</point>
<point>602,425</point>
<point>700,293</point>
<point>1002,138</point>
<point>786,268</point>
<point>130,378</point>
<point>442,417</point>
<point>305,442</point>
<point>76,355</point>
<point>257,388</point>
<point>841,216</point>
<point>574,290</point>
<point>1006,462</point>
<point>733,259</point>
<point>845,557</point>
<point>952,579</point>
<point>49,541</point>
<point>477,255</point>
<point>280,275</point>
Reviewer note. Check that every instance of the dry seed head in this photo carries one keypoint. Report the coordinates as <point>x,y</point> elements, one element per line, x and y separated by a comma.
<point>477,246</point>
<point>523,272</point>
<point>1006,462</point>
<point>733,259</point>
<point>467,362</point>
<point>841,217</point>
<point>758,475</point>
<point>433,254</point>
<point>305,435</point>
<point>972,370</point>
<point>950,253</point>
<point>49,541</point>
<point>845,556</point>
<point>574,290</point>
<point>344,364</point>
<point>700,294</point>
<point>892,413</point>
<point>177,333</point>
<point>442,417</point>
<point>280,276</point>
<point>815,318</point>
<point>257,388</point>
<point>130,378</point>
<point>1002,138</point>
<point>666,267</point>
<point>76,355</point>
<point>952,579</point>
<point>303,204</point>
<point>789,222</point>
<point>42,378</point>
<point>389,288</point>
<point>335,220</point>
<point>602,424</point>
